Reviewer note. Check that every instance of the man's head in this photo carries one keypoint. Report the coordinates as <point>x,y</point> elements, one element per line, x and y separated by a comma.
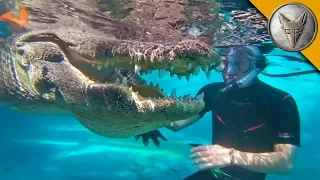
<point>238,61</point>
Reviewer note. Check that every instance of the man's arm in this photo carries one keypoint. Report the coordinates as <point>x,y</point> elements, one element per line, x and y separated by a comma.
<point>279,162</point>
<point>178,125</point>
<point>287,126</point>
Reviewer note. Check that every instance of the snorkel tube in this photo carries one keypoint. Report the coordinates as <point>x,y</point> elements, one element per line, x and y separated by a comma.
<point>241,83</point>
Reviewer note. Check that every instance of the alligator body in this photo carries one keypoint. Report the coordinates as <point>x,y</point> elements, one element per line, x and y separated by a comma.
<point>81,58</point>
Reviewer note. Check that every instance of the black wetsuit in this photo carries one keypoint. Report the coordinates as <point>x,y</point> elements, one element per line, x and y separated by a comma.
<point>252,119</point>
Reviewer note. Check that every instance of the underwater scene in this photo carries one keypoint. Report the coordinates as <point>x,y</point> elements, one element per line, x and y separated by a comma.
<point>99,90</point>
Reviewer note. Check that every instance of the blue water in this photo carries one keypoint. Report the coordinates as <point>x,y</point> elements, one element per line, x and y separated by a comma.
<point>59,148</point>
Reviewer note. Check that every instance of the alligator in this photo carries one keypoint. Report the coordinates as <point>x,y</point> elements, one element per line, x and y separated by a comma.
<point>83,58</point>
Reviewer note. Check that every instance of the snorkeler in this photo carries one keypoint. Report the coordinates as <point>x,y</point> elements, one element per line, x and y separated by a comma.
<point>256,127</point>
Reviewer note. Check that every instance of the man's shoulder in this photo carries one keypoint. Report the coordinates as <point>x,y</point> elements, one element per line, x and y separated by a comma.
<point>274,93</point>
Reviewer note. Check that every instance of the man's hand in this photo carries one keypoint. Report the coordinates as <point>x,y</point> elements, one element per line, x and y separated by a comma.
<point>210,157</point>
<point>154,135</point>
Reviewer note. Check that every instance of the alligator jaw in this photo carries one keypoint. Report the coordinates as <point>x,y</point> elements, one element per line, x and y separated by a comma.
<point>183,58</point>
<point>76,77</point>
<point>121,99</point>
<point>56,80</point>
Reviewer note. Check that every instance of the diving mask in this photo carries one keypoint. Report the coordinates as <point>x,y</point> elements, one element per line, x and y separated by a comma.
<point>240,65</point>
<point>236,62</point>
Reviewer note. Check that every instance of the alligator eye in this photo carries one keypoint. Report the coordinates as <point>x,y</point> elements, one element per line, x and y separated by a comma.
<point>193,30</point>
<point>59,58</point>
<point>185,28</point>
<point>196,31</point>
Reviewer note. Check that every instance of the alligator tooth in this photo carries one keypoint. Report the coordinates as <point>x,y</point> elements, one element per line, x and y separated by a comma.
<point>99,67</point>
<point>117,81</point>
<point>197,70</point>
<point>173,93</point>
<point>199,97</point>
<point>124,81</point>
<point>161,73</point>
<point>137,68</point>
<point>213,64</point>
<point>179,77</point>
<point>151,84</point>
<point>130,88</point>
<point>187,98</point>
<point>93,65</point>
<point>208,74</point>
<point>158,86</point>
<point>171,74</point>
<point>106,65</point>
<point>189,66</point>
<point>134,95</point>
<point>205,69</point>
<point>188,77</point>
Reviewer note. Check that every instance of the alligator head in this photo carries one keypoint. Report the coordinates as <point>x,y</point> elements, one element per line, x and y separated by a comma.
<point>65,63</point>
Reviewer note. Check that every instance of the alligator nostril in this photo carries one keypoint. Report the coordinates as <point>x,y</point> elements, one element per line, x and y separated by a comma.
<point>59,58</point>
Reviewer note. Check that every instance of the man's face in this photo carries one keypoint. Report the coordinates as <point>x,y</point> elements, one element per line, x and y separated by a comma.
<point>235,64</point>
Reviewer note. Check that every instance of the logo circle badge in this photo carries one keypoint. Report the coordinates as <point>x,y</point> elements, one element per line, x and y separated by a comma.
<point>292,27</point>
